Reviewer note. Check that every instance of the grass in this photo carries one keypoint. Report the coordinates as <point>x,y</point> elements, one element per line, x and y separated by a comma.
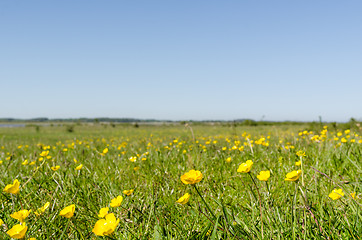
<point>224,205</point>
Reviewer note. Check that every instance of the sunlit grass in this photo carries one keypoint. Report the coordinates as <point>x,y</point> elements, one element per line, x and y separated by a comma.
<point>301,184</point>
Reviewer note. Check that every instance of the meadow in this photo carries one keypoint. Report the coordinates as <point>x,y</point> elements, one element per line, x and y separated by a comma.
<point>193,181</point>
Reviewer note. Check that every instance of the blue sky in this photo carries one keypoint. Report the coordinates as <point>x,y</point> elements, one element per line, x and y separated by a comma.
<point>180,60</point>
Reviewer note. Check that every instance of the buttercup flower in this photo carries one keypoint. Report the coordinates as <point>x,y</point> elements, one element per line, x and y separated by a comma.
<point>79,167</point>
<point>13,188</point>
<point>18,231</point>
<point>128,192</point>
<point>353,195</point>
<point>191,177</point>
<point>55,168</point>
<point>336,194</point>
<point>184,199</point>
<point>20,215</point>
<point>105,227</point>
<point>293,176</point>
<point>245,167</point>
<point>301,153</point>
<point>103,212</point>
<point>116,202</point>
<point>298,163</point>
<point>264,175</point>
<point>68,212</point>
<point>42,209</point>
<point>1,222</point>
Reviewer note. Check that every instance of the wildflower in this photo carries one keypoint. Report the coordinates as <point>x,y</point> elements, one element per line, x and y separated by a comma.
<point>25,162</point>
<point>20,215</point>
<point>293,176</point>
<point>264,175</point>
<point>105,150</point>
<point>1,222</point>
<point>184,199</point>
<point>42,209</point>
<point>136,168</point>
<point>336,194</point>
<point>68,212</point>
<point>13,188</point>
<point>105,227</point>
<point>353,195</point>
<point>228,159</point>
<point>132,159</point>
<point>79,167</point>
<point>298,163</point>
<point>44,153</point>
<point>18,231</point>
<point>301,153</point>
<point>116,202</point>
<point>128,192</point>
<point>103,212</point>
<point>245,167</point>
<point>191,177</point>
<point>55,168</point>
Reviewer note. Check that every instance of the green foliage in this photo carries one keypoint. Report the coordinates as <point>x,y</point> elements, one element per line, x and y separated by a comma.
<point>224,205</point>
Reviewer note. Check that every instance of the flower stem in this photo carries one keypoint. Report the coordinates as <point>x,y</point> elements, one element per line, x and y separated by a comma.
<point>207,206</point>
<point>261,213</point>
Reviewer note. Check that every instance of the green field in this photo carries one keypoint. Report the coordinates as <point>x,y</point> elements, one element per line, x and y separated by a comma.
<point>98,162</point>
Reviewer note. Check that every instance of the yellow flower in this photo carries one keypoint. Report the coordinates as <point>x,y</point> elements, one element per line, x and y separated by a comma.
<point>298,163</point>
<point>293,176</point>
<point>132,159</point>
<point>116,202</point>
<point>13,188</point>
<point>55,168</point>
<point>1,222</point>
<point>25,162</point>
<point>228,159</point>
<point>20,215</point>
<point>353,195</point>
<point>32,239</point>
<point>336,194</point>
<point>136,168</point>
<point>264,175</point>
<point>44,153</point>
<point>42,209</point>
<point>191,177</point>
<point>79,167</point>
<point>128,192</point>
<point>18,231</point>
<point>184,199</point>
<point>103,212</point>
<point>105,227</point>
<point>105,150</point>
<point>68,212</point>
<point>245,167</point>
<point>32,163</point>
<point>301,153</point>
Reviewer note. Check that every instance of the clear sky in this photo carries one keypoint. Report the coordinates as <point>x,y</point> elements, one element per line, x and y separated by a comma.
<point>181,60</point>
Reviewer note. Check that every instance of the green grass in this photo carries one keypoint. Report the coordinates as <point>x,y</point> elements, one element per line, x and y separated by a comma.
<point>228,204</point>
